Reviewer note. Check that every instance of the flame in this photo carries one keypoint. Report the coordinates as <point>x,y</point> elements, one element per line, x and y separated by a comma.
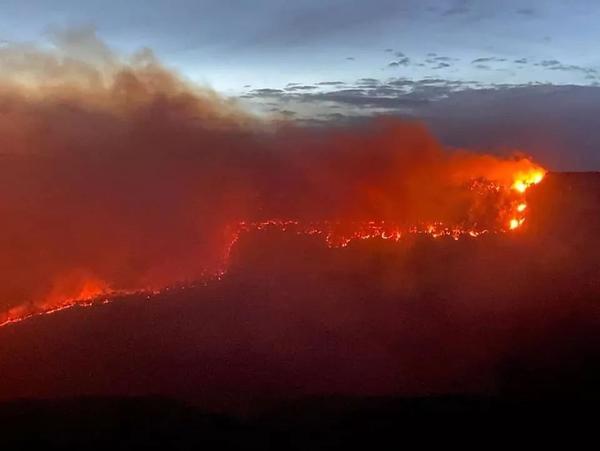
<point>522,182</point>
<point>520,186</point>
<point>73,289</point>
<point>341,234</point>
<point>80,289</point>
<point>515,223</point>
<point>337,234</point>
<point>525,180</point>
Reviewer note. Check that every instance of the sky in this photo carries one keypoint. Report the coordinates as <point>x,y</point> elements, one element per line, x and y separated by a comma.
<point>534,63</point>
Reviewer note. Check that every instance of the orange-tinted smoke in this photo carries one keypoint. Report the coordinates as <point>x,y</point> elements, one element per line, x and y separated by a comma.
<point>118,175</point>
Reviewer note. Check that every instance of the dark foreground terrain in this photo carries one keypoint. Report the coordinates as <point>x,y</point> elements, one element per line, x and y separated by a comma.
<point>301,346</point>
<point>334,423</point>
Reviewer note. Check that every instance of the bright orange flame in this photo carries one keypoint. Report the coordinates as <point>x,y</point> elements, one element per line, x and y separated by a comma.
<point>514,223</point>
<point>522,181</point>
<point>525,180</point>
<point>520,186</point>
<point>338,234</point>
<point>538,177</point>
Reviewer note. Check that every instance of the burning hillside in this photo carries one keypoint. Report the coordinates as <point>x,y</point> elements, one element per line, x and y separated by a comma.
<point>501,312</point>
<point>505,207</point>
<point>118,176</point>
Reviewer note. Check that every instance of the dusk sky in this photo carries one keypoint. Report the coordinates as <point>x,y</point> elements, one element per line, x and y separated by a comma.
<point>342,60</point>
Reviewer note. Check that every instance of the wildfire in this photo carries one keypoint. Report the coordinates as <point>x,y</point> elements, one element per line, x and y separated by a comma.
<point>84,290</point>
<point>105,296</point>
<point>522,182</point>
<point>337,234</point>
<point>341,234</point>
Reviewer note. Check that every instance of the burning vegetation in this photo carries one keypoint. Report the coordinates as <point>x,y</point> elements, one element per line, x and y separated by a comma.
<point>118,176</point>
<point>506,201</point>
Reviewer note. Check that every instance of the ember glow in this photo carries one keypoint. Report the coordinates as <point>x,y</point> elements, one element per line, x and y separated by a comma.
<point>119,177</point>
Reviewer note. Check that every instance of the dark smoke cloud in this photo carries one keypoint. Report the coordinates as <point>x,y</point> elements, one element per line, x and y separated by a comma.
<point>117,174</point>
<point>111,170</point>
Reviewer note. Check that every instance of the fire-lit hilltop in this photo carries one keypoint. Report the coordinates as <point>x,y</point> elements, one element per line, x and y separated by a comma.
<point>293,316</point>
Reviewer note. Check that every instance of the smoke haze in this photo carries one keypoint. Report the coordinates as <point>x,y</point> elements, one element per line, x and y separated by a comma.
<point>118,174</point>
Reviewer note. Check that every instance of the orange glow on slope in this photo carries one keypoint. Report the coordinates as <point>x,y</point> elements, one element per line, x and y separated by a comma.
<point>84,290</point>
<point>74,289</point>
<point>51,306</point>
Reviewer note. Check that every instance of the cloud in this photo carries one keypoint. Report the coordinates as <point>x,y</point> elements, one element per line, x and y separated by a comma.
<point>300,88</point>
<point>575,68</point>
<point>456,11</point>
<point>369,96</point>
<point>368,81</point>
<point>444,58</point>
<point>526,11</point>
<point>401,62</point>
<point>373,98</point>
<point>286,113</point>
<point>557,65</point>
<point>267,92</point>
<point>306,22</point>
<point>548,63</point>
<point>330,83</point>
<point>555,123</point>
<point>492,59</point>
